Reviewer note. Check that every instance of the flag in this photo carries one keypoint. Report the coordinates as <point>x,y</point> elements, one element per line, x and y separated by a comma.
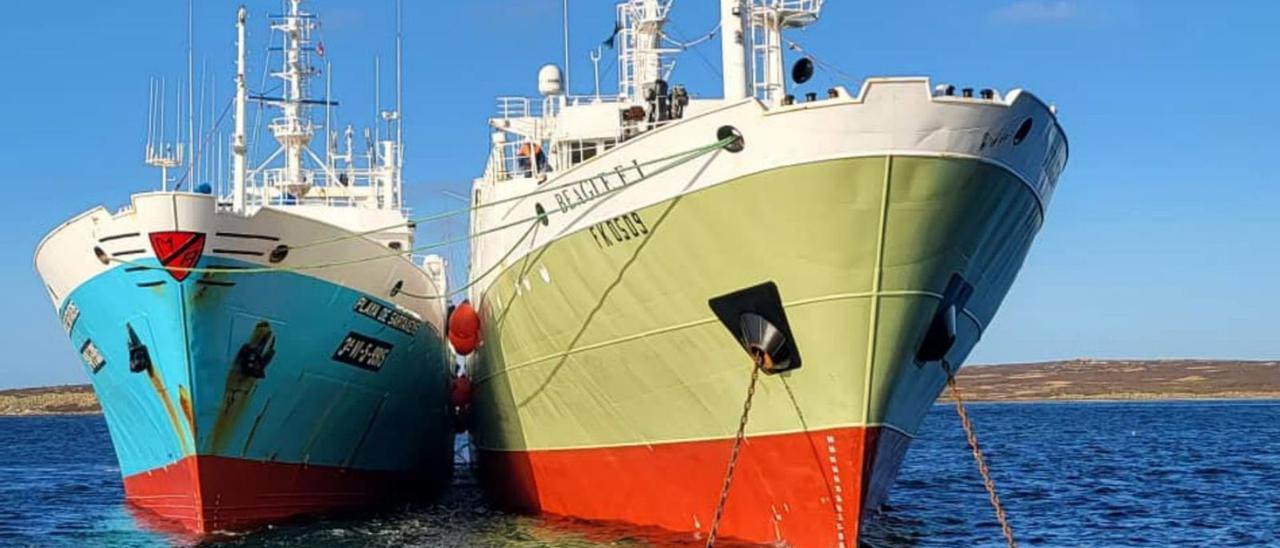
<point>617,27</point>
<point>320,49</point>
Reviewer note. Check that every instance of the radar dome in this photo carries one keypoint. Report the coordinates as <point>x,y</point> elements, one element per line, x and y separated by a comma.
<point>550,81</point>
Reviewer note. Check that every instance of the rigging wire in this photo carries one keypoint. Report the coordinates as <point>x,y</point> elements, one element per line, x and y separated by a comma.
<point>204,140</point>
<point>797,47</point>
<point>543,190</point>
<point>257,112</point>
<point>692,45</point>
<point>537,218</point>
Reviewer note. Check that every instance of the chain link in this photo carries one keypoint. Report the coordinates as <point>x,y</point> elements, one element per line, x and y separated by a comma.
<point>758,364</point>
<point>977,457</point>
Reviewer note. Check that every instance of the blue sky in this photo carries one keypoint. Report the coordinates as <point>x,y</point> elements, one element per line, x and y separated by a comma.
<point>1163,239</point>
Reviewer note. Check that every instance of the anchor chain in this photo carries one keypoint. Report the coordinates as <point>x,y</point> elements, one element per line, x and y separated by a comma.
<point>759,359</point>
<point>987,482</point>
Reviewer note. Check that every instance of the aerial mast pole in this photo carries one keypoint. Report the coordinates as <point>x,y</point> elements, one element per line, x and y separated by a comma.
<point>399,157</point>
<point>733,49</point>
<point>566,47</point>
<point>191,96</point>
<point>239,146</point>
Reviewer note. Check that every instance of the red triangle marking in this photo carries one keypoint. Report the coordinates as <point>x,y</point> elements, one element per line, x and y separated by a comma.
<point>178,250</point>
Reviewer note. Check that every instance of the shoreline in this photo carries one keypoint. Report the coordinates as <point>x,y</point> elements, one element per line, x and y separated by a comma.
<point>1071,381</point>
<point>1266,398</point>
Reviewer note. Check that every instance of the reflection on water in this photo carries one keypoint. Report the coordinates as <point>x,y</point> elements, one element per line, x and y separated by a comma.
<point>1069,474</point>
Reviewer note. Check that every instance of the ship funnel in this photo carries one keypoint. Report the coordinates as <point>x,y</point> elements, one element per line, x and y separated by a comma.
<point>756,318</point>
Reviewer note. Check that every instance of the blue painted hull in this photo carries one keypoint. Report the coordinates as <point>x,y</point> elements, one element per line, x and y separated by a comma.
<point>280,369</point>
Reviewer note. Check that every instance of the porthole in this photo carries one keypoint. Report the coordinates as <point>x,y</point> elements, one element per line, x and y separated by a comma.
<point>279,253</point>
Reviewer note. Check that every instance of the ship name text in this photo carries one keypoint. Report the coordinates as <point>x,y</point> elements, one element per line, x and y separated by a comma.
<point>581,192</point>
<point>387,316</point>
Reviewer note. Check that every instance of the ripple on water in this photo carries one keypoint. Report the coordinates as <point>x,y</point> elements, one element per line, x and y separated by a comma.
<point>1101,474</point>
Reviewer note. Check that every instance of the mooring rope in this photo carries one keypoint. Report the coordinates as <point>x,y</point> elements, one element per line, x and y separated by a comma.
<point>542,190</point>
<point>758,361</point>
<point>677,161</point>
<point>987,482</point>
<point>476,279</point>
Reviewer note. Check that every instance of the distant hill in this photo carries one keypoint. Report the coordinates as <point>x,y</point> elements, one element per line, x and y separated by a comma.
<point>1048,381</point>
<point>1121,380</point>
<point>53,400</point>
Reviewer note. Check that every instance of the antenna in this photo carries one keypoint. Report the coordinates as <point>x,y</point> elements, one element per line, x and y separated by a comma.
<point>213,122</point>
<point>197,148</point>
<point>159,153</point>
<point>399,159</point>
<point>191,76</point>
<point>151,114</point>
<point>565,3</point>
<point>399,73</point>
<point>161,121</point>
<point>596,54</point>
<point>328,114</point>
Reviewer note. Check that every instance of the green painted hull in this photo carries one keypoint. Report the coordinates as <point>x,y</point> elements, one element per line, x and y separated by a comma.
<point>604,338</point>
<point>860,250</point>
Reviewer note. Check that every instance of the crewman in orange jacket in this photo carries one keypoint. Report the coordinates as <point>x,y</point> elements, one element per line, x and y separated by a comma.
<point>529,153</point>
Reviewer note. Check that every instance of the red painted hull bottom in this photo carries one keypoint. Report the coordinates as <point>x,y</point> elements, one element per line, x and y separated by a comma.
<point>804,489</point>
<point>206,494</point>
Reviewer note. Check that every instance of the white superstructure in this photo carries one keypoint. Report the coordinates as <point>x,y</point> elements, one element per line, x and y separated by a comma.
<point>290,195</point>
<point>572,129</point>
<point>543,142</point>
<point>294,176</point>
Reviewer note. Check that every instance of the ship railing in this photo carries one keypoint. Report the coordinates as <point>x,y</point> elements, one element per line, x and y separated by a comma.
<point>512,107</point>
<point>515,107</point>
<point>284,127</point>
<point>350,188</point>
<point>518,159</point>
<point>580,100</point>
<point>796,13</point>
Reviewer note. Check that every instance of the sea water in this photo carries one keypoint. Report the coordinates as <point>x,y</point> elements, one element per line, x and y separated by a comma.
<point>1069,474</point>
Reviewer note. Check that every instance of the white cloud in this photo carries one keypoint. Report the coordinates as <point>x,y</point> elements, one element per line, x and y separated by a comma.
<point>1037,11</point>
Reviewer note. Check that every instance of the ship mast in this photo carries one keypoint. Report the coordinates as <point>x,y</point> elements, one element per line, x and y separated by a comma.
<point>641,54</point>
<point>768,19</point>
<point>398,165</point>
<point>733,49</point>
<point>239,144</point>
<point>293,130</point>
